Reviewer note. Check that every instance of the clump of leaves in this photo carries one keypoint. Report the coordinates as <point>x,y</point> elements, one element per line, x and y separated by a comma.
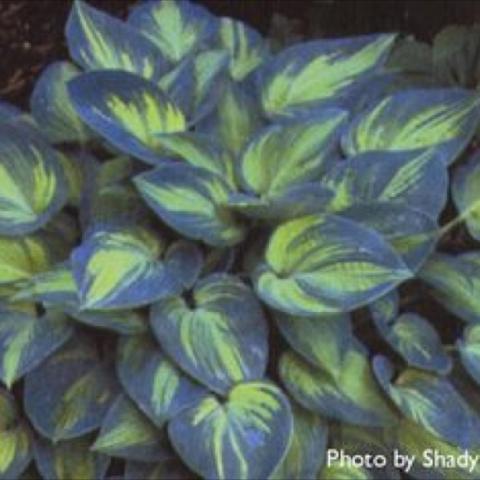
<point>217,261</point>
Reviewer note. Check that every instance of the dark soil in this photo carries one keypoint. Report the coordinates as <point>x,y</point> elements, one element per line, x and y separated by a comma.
<point>31,31</point>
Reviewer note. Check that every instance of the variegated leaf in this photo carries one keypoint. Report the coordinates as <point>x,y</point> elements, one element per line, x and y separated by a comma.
<point>320,72</point>
<point>51,106</point>
<point>128,434</point>
<point>431,402</point>
<point>322,264</point>
<point>192,201</point>
<point>455,280</point>
<point>26,341</point>
<point>97,41</point>
<point>33,187</point>
<point>244,437</point>
<point>219,337</point>
<point>121,267</point>
<point>177,27</point>
<point>152,381</point>
<point>69,394</point>
<point>352,396</point>
<point>443,119</point>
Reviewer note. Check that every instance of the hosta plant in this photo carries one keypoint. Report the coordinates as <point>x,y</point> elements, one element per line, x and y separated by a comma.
<point>218,261</point>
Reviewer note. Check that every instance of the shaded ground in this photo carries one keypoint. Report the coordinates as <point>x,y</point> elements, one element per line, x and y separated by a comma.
<point>31,31</point>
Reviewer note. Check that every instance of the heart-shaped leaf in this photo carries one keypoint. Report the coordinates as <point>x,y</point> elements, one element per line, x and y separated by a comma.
<point>126,110</point>
<point>121,267</point>
<point>69,394</point>
<point>322,264</point>
<point>220,338</point>
<point>320,72</point>
<point>32,183</point>
<point>128,434</point>
<point>192,201</point>
<point>152,381</point>
<point>416,340</point>
<point>245,437</point>
<point>51,106</point>
<point>432,402</point>
<point>352,396</point>
<point>456,283</point>
<point>97,41</point>
<point>442,119</point>
<point>417,179</point>
<point>26,341</point>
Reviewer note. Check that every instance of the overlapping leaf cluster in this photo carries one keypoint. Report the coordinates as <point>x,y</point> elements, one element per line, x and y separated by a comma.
<point>208,253</point>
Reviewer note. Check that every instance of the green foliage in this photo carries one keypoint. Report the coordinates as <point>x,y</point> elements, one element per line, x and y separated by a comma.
<point>221,256</point>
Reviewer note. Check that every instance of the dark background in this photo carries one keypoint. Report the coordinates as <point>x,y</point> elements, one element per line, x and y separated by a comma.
<point>31,31</point>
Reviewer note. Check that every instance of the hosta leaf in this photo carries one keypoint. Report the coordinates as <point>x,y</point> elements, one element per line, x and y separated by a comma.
<point>127,433</point>
<point>322,340</point>
<point>283,155</point>
<point>51,106</point>
<point>15,439</point>
<point>414,119</point>
<point>57,288</point>
<point>21,258</point>
<point>220,339</point>
<point>352,396</point>
<point>152,381</point>
<point>171,469</point>
<point>177,27</point>
<point>416,340</point>
<point>245,45</point>
<point>126,110</point>
<point>245,437</point>
<point>305,455</point>
<point>469,348</point>
<point>432,402</point>
<point>417,179</point>
<point>455,280</point>
<point>8,112</point>
<point>414,440</point>
<point>69,394</point>
<point>97,41</point>
<point>192,201</point>
<point>455,55</point>
<point>236,118</point>
<point>26,341</point>
<point>302,77</point>
<point>466,194</point>
<point>32,184</point>
<point>326,264</point>
<point>71,459</point>
<point>121,267</point>
<point>411,232</point>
